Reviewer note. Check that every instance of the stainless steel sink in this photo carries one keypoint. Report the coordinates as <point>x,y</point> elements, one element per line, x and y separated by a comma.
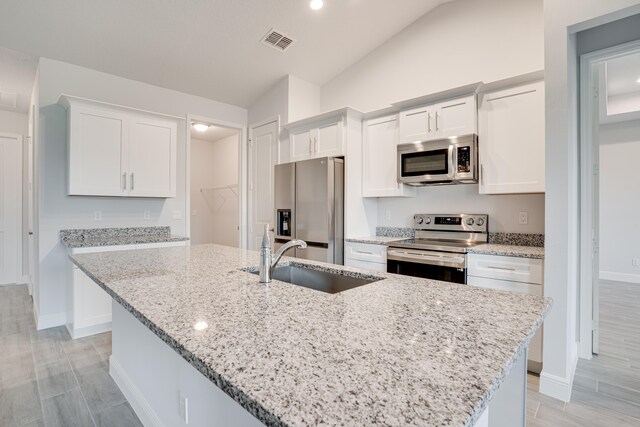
<point>324,281</point>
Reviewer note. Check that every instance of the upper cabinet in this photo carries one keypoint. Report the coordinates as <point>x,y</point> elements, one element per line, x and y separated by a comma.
<point>511,140</point>
<point>114,151</point>
<point>319,136</point>
<point>379,159</point>
<point>440,120</point>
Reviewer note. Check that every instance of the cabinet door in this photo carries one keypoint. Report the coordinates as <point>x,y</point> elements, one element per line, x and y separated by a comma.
<point>380,159</point>
<point>92,305</point>
<point>417,124</point>
<point>98,143</point>
<point>301,145</point>
<point>456,117</point>
<point>152,157</point>
<point>511,140</point>
<point>327,140</point>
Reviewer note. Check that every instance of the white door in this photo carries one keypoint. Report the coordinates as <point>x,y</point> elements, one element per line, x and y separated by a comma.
<point>97,152</point>
<point>10,208</point>
<point>456,117</point>
<point>153,149</point>
<point>301,145</point>
<point>328,140</point>
<point>263,156</point>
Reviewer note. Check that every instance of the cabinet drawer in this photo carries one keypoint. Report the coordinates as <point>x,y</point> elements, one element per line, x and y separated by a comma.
<point>366,252</point>
<point>505,285</point>
<point>525,270</point>
<point>366,265</point>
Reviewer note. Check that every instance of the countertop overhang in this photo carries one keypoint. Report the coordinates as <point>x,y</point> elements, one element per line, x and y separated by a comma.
<point>400,351</point>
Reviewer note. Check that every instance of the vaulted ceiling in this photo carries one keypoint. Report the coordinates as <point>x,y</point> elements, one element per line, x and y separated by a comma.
<point>210,48</point>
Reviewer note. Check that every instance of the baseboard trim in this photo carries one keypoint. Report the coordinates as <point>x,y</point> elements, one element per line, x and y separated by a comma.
<point>558,387</point>
<point>140,406</point>
<point>88,330</point>
<point>49,320</point>
<point>620,277</point>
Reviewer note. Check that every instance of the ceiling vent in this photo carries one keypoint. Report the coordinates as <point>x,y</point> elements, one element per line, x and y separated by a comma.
<point>8,99</point>
<point>277,40</point>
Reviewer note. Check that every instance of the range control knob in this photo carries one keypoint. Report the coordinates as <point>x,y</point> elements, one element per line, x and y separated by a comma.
<point>419,220</point>
<point>427,220</point>
<point>469,221</point>
<point>480,221</point>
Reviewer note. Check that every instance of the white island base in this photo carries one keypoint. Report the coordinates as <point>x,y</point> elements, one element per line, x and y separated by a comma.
<point>165,390</point>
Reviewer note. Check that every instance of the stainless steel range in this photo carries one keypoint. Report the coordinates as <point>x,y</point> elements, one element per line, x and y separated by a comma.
<point>439,248</point>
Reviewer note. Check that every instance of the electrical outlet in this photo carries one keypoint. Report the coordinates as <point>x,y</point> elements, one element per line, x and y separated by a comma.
<point>387,214</point>
<point>523,218</point>
<point>177,215</point>
<point>146,215</point>
<point>184,408</point>
<point>635,262</point>
<point>194,213</point>
<point>97,215</point>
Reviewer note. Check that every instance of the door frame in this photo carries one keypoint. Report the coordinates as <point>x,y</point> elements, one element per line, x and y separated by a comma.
<point>589,190</point>
<point>273,119</point>
<point>243,236</point>
<point>19,188</point>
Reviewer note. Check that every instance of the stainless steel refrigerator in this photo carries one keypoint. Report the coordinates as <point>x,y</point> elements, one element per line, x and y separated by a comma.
<point>309,205</point>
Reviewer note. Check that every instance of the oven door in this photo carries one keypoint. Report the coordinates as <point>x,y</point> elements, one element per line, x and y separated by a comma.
<point>445,266</point>
<point>423,162</point>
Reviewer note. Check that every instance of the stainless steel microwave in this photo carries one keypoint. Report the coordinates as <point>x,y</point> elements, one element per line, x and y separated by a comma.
<point>445,161</point>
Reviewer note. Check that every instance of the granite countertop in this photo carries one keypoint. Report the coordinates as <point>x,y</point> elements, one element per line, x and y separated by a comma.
<point>376,240</point>
<point>509,250</point>
<point>86,238</point>
<point>399,351</point>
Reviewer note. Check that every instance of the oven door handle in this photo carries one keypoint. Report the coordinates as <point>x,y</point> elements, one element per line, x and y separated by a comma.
<point>430,259</point>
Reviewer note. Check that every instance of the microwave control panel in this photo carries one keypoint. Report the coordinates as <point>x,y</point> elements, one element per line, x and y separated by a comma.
<point>464,159</point>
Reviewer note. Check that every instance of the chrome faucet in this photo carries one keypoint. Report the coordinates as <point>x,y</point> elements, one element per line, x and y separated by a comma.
<point>267,264</point>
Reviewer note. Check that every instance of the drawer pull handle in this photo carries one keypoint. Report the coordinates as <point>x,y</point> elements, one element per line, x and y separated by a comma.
<point>501,268</point>
<point>364,252</point>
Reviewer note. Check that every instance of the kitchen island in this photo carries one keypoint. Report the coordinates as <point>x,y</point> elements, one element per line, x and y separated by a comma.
<point>398,351</point>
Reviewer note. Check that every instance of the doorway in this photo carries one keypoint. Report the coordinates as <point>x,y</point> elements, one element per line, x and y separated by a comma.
<point>215,184</point>
<point>610,198</point>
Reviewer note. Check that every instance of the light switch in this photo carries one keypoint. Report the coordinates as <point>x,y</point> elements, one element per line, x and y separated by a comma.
<point>523,218</point>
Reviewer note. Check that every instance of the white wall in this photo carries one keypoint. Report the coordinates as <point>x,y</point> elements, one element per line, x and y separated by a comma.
<point>458,43</point>
<point>561,19</point>
<point>304,99</point>
<point>57,210</point>
<point>12,122</point>
<point>619,200</point>
<point>214,213</point>
<point>503,210</point>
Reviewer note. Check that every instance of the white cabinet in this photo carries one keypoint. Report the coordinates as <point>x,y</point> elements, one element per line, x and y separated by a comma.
<point>511,140</point>
<point>367,256</point>
<point>114,151</point>
<point>522,275</point>
<point>323,136</point>
<point>88,305</point>
<point>379,159</point>
<point>441,120</point>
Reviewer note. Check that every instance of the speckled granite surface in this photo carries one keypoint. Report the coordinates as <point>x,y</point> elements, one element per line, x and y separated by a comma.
<point>376,240</point>
<point>517,239</point>
<point>400,351</point>
<point>509,250</point>
<point>84,238</point>
<point>405,233</point>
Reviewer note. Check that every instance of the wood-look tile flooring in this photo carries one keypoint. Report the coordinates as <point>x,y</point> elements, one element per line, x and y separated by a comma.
<point>606,389</point>
<point>47,379</point>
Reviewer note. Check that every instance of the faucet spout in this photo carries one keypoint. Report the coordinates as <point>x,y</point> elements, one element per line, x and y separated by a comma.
<point>267,264</point>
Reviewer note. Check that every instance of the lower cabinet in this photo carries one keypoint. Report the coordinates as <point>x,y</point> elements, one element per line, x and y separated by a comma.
<point>368,256</point>
<point>88,305</point>
<point>504,273</point>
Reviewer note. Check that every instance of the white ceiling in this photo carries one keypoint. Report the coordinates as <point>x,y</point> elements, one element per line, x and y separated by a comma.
<point>17,75</point>
<point>623,74</point>
<point>209,48</point>
<point>214,133</point>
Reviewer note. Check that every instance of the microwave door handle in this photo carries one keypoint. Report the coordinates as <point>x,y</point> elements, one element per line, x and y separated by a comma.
<point>452,171</point>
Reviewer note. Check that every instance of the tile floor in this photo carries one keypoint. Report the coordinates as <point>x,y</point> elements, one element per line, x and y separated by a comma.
<point>46,379</point>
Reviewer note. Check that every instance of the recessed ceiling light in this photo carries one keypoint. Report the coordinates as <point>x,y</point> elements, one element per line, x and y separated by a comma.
<point>316,4</point>
<point>200,127</point>
<point>638,81</point>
